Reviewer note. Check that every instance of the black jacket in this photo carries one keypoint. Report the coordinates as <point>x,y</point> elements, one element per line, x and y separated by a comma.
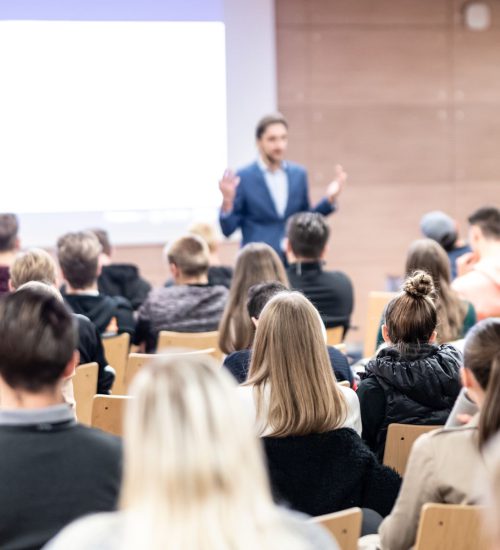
<point>322,473</point>
<point>123,280</point>
<point>417,388</point>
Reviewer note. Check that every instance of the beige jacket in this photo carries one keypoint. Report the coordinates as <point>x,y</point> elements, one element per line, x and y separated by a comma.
<point>444,466</point>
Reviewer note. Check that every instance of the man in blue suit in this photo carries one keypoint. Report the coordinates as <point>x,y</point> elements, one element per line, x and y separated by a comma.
<point>262,196</point>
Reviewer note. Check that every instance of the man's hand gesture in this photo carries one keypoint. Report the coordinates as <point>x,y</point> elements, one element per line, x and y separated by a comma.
<point>335,187</point>
<point>227,185</point>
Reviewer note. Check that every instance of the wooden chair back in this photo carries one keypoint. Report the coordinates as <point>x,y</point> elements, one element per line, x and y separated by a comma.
<point>451,527</point>
<point>334,336</point>
<point>116,350</point>
<point>84,389</point>
<point>189,340</point>
<point>377,300</point>
<point>108,413</point>
<point>345,526</point>
<point>400,439</point>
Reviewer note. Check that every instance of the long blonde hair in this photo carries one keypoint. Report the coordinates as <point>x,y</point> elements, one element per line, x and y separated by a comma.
<point>194,476</point>
<point>290,361</point>
<point>256,263</point>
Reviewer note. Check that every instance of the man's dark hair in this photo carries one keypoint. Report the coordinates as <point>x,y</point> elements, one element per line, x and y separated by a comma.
<point>78,255</point>
<point>9,227</point>
<point>264,122</point>
<point>488,220</point>
<point>103,237</point>
<point>308,234</point>
<point>37,340</point>
<point>259,295</point>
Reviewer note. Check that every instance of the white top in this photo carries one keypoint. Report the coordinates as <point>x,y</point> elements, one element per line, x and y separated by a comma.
<point>353,418</point>
<point>277,183</point>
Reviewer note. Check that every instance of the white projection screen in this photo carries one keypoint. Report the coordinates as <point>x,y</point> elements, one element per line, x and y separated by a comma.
<point>105,123</point>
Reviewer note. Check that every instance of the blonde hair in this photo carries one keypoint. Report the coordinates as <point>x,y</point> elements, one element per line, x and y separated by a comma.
<point>194,476</point>
<point>290,360</point>
<point>256,263</point>
<point>33,265</point>
<point>207,232</point>
<point>190,254</point>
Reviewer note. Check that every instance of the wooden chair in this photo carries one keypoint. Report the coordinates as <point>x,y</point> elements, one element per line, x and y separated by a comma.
<point>137,360</point>
<point>189,340</point>
<point>334,336</point>
<point>84,389</point>
<point>451,527</point>
<point>400,439</point>
<point>345,526</point>
<point>376,304</point>
<point>108,412</point>
<point>116,350</point>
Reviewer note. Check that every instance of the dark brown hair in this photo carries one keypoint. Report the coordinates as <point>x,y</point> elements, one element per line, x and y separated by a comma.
<point>482,358</point>
<point>488,220</point>
<point>259,295</point>
<point>264,122</point>
<point>190,255</point>
<point>427,255</point>
<point>78,255</point>
<point>103,237</point>
<point>308,234</point>
<point>9,227</point>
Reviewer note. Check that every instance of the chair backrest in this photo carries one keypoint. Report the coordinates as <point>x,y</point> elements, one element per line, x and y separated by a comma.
<point>451,527</point>
<point>84,389</point>
<point>377,301</point>
<point>400,439</point>
<point>345,526</point>
<point>137,360</point>
<point>334,336</point>
<point>108,412</point>
<point>189,340</point>
<point>116,349</point>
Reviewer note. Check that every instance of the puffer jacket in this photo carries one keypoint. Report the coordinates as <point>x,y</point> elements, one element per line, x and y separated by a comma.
<point>418,387</point>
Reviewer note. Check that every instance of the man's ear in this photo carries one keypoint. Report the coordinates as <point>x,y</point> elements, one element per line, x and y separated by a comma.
<point>323,252</point>
<point>475,235</point>
<point>17,244</point>
<point>465,377</point>
<point>385,334</point>
<point>255,321</point>
<point>11,288</point>
<point>70,368</point>
<point>433,337</point>
<point>174,270</point>
<point>290,256</point>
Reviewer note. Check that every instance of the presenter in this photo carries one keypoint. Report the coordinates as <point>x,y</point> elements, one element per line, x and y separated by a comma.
<point>262,196</point>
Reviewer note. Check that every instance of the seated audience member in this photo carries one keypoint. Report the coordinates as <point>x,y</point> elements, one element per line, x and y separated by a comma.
<point>478,278</point>
<point>52,470</point>
<point>413,380</point>
<point>194,477</point>
<point>317,462</point>
<point>444,465</point>
<point>191,304</point>
<point>78,255</point>
<point>119,279</point>
<point>439,227</point>
<point>38,265</point>
<point>255,263</point>
<point>330,292</point>
<point>238,362</point>
<point>9,246</point>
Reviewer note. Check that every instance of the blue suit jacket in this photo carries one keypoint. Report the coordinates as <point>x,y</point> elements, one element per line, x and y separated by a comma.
<point>254,211</point>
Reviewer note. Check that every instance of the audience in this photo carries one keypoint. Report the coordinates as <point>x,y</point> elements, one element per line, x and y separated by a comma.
<point>330,292</point>
<point>191,304</point>
<point>78,255</point>
<point>412,380</point>
<point>52,470</point>
<point>238,362</point>
<point>119,279</point>
<point>317,462</point>
<point>255,263</point>
<point>38,265</point>
<point>439,227</point>
<point>478,278</point>
<point>194,477</point>
<point>9,246</point>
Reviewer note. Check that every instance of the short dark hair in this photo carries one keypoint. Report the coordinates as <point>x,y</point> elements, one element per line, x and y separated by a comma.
<point>264,122</point>
<point>259,295</point>
<point>78,255</point>
<point>9,227</point>
<point>37,341</point>
<point>488,220</point>
<point>308,234</point>
<point>103,237</point>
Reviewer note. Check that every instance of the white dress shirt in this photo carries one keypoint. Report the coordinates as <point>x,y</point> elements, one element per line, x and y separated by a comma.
<point>277,183</point>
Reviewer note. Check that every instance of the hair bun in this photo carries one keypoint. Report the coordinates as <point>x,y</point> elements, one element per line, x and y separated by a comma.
<point>419,284</point>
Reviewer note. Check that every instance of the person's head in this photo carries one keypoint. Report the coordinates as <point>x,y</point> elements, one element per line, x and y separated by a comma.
<point>103,238</point>
<point>484,228</point>
<point>37,347</point>
<point>255,263</point>
<point>290,359</point>
<point>307,234</point>
<point>410,318</point>
<point>481,374</point>
<point>439,227</point>
<point>193,466</point>
<point>427,255</point>
<point>78,255</point>
<point>188,258</point>
<point>9,228</point>
<point>35,264</point>
<point>207,232</point>
<point>271,134</point>
<point>259,295</point>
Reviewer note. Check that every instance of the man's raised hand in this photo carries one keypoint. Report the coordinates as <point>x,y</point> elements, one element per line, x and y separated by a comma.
<point>227,185</point>
<point>335,187</point>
